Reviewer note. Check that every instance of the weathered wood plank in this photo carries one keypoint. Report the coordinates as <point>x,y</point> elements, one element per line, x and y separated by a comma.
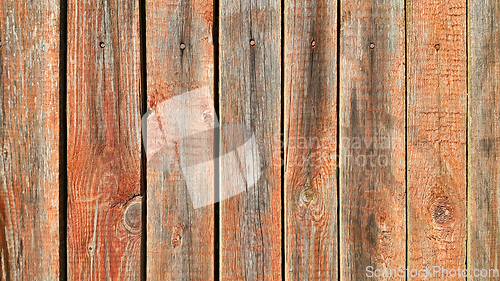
<point>310,141</point>
<point>180,66</point>
<point>104,153</point>
<point>250,97</point>
<point>372,138</point>
<point>484,133</point>
<point>437,98</point>
<point>29,140</point>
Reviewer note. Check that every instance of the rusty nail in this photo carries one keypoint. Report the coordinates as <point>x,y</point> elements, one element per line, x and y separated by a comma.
<point>437,46</point>
<point>372,46</point>
<point>183,46</point>
<point>102,45</point>
<point>313,43</point>
<point>252,42</point>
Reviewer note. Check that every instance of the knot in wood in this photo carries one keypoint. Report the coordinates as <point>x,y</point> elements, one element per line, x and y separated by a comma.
<point>176,239</point>
<point>307,196</point>
<point>442,212</point>
<point>132,217</point>
<point>207,116</point>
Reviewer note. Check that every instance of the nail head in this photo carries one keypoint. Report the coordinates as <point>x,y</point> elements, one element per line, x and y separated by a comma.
<point>183,46</point>
<point>102,45</point>
<point>437,46</point>
<point>313,43</point>
<point>252,42</point>
<point>372,46</point>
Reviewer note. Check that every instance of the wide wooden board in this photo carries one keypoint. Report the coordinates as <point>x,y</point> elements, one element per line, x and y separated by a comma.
<point>104,152</point>
<point>250,98</point>
<point>29,140</point>
<point>372,139</point>
<point>180,70</point>
<point>437,106</point>
<point>310,140</point>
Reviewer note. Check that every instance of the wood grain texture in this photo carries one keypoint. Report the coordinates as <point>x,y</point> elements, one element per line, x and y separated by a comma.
<point>484,132</point>
<point>104,152</point>
<point>372,138</point>
<point>250,96</point>
<point>437,98</point>
<point>310,141</point>
<point>29,140</point>
<point>180,60</point>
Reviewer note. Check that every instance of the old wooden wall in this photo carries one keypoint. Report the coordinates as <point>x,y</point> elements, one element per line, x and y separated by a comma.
<point>375,126</point>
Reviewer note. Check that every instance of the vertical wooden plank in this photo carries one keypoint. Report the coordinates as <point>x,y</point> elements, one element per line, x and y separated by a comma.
<point>250,96</point>
<point>180,66</point>
<point>104,153</point>
<point>372,139</point>
<point>437,97</point>
<point>484,132</point>
<point>29,140</point>
<point>310,141</point>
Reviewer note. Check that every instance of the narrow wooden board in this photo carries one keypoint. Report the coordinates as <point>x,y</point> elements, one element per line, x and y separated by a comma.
<point>310,141</point>
<point>104,152</point>
<point>250,97</point>
<point>437,105</point>
<point>29,140</point>
<point>180,66</point>
<point>372,139</point>
<point>484,137</point>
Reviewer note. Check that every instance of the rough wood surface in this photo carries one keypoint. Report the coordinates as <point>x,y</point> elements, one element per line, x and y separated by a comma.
<point>484,133</point>
<point>250,96</point>
<point>104,152</point>
<point>372,138</point>
<point>437,98</point>
<point>180,66</point>
<point>29,140</point>
<point>310,141</point>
